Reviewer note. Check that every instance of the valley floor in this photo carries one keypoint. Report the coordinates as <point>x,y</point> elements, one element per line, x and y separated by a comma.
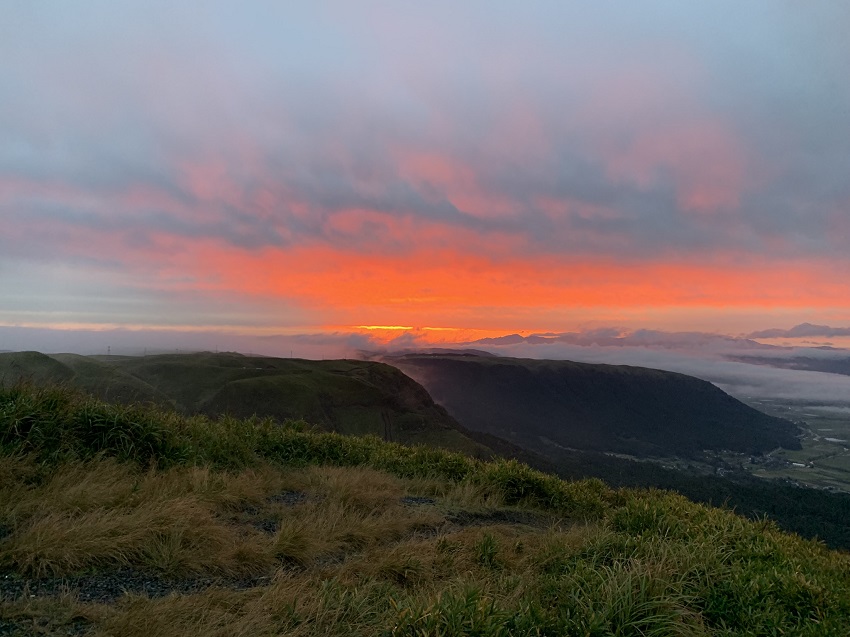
<point>824,460</point>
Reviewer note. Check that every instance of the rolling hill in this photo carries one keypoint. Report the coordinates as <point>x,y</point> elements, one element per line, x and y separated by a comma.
<point>540,406</point>
<point>345,396</point>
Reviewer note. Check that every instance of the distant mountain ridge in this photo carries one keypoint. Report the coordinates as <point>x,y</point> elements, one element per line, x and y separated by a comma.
<point>612,337</point>
<point>803,330</point>
<point>544,405</point>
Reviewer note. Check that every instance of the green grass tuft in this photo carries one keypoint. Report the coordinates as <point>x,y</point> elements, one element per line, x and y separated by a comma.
<point>58,424</point>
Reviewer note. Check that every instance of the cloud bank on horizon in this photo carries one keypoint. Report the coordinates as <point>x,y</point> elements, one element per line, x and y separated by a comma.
<point>487,165</point>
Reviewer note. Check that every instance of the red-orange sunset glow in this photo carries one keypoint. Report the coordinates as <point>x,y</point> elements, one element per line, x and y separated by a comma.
<point>452,288</point>
<point>425,173</point>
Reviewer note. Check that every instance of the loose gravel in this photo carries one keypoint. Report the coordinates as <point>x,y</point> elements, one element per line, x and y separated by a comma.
<point>106,588</point>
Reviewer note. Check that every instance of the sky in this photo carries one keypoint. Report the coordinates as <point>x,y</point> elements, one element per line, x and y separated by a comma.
<point>452,170</point>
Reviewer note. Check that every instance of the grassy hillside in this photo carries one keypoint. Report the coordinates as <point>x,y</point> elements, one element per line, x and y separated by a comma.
<point>811,513</point>
<point>350,397</point>
<point>541,405</point>
<point>87,373</point>
<point>128,521</point>
<point>354,397</point>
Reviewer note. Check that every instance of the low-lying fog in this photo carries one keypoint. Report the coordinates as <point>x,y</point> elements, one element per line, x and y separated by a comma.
<point>745,381</point>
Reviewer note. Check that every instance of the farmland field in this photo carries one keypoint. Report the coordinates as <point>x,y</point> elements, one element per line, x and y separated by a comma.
<point>824,460</point>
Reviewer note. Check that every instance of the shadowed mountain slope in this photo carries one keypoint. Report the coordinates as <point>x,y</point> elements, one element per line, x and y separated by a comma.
<point>543,405</point>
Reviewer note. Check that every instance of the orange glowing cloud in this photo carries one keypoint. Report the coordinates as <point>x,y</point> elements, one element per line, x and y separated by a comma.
<point>452,288</point>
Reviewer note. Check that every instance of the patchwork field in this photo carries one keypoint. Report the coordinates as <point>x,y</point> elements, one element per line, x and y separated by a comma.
<point>824,460</point>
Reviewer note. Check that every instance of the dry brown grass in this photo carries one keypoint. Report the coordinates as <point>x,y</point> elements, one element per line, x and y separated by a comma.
<point>360,488</point>
<point>351,541</point>
<point>216,612</point>
<point>102,514</point>
<point>468,496</point>
<point>349,509</point>
<point>220,489</point>
<point>347,557</point>
<point>297,606</point>
<point>179,536</point>
<point>58,615</point>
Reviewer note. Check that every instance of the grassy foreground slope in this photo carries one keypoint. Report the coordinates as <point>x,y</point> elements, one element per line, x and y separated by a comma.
<point>127,521</point>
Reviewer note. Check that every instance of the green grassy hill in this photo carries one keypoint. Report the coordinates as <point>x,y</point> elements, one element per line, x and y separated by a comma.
<point>99,378</point>
<point>542,405</point>
<point>128,521</point>
<point>346,396</point>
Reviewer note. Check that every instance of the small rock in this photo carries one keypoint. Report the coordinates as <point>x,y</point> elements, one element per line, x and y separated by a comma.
<point>289,498</point>
<point>415,500</point>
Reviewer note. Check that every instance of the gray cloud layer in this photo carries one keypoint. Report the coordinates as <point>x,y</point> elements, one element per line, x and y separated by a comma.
<point>292,115</point>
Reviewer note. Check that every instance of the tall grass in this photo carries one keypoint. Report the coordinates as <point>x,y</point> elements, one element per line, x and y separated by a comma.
<point>91,488</point>
<point>56,424</point>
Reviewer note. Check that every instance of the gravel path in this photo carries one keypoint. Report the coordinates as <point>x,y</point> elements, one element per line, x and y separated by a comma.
<point>106,588</point>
